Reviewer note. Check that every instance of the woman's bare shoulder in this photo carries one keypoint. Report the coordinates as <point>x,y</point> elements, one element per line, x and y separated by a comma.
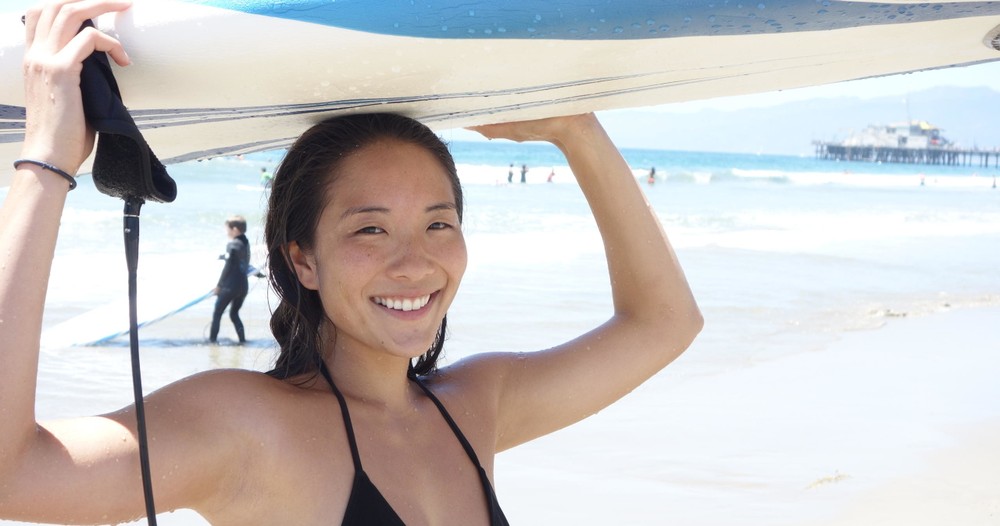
<point>475,379</point>
<point>473,368</point>
<point>235,396</point>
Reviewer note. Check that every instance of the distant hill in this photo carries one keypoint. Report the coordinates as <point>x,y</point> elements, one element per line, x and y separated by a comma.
<point>967,116</point>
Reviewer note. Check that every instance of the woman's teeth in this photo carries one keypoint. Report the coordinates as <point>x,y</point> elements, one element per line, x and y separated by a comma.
<point>407,304</point>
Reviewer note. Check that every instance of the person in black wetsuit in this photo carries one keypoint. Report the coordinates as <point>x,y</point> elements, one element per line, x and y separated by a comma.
<point>233,283</point>
<point>355,423</point>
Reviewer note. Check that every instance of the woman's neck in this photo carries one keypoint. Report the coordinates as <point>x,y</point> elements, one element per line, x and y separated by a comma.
<point>374,378</point>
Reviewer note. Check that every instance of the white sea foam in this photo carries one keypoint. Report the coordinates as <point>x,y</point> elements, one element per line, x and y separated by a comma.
<point>871,180</point>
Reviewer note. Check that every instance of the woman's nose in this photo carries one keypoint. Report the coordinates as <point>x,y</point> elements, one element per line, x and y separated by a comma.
<point>412,261</point>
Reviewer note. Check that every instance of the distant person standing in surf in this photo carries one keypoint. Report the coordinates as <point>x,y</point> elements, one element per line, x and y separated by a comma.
<point>233,284</point>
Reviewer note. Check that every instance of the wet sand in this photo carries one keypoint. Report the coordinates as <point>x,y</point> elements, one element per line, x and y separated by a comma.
<point>897,425</point>
<point>892,426</point>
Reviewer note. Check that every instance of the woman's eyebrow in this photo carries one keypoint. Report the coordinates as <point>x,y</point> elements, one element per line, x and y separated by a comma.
<point>441,206</point>
<point>356,210</point>
<point>364,210</point>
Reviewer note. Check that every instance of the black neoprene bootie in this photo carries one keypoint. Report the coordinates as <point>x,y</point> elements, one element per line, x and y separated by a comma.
<point>124,166</point>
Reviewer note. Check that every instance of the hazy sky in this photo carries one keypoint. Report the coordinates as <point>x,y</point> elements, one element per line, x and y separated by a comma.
<point>979,75</point>
<point>968,76</point>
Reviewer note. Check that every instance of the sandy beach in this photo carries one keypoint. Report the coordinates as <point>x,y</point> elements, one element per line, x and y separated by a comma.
<point>892,426</point>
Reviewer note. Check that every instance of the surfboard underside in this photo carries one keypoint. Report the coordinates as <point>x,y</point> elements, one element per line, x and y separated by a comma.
<point>208,81</point>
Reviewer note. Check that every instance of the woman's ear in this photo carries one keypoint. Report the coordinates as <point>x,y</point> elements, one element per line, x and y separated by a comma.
<point>305,266</point>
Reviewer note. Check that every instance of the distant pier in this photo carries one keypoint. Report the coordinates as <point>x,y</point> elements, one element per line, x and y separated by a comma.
<point>949,156</point>
<point>909,142</point>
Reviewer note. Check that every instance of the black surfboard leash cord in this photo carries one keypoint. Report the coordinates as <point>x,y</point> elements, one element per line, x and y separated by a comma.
<point>125,167</point>
<point>130,229</point>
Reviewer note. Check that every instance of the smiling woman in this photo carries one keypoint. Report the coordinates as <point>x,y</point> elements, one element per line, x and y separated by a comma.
<point>355,423</point>
<point>356,178</point>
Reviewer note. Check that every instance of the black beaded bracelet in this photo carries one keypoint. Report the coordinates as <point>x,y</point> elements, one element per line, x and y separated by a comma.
<point>49,167</point>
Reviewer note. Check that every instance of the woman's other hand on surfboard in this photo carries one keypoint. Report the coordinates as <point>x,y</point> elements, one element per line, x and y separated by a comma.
<point>55,48</point>
<point>555,130</point>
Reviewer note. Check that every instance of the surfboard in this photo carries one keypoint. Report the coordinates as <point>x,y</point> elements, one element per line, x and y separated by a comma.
<point>108,322</point>
<point>218,77</point>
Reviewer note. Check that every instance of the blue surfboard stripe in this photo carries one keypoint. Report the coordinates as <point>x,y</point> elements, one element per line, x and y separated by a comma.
<point>597,19</point>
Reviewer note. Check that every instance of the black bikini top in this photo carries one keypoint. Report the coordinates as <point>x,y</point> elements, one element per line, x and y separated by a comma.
<point>367,506</point>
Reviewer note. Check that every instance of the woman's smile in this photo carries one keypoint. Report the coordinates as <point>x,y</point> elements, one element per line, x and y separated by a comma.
<point>403,304</point>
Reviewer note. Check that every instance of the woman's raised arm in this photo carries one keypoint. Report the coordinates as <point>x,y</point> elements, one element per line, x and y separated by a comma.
<point>56,134</point>
<point>655,315</point>
<point>84,469</point>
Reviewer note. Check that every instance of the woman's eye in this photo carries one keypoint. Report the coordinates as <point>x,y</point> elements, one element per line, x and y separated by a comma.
<point>439,225</point>
<point>371,230</point>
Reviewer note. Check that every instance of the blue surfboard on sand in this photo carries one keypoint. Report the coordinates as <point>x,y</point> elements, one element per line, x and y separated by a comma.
<point>108,322</point>
<point>217,77</point>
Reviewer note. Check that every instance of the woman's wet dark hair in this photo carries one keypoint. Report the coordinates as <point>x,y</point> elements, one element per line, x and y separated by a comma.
<point>298,197</point>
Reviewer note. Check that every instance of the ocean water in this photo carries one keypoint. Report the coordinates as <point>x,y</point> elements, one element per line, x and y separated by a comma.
<point>785,255</point>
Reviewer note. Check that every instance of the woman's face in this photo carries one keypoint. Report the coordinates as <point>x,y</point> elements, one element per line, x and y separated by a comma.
<point>389,252</point>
